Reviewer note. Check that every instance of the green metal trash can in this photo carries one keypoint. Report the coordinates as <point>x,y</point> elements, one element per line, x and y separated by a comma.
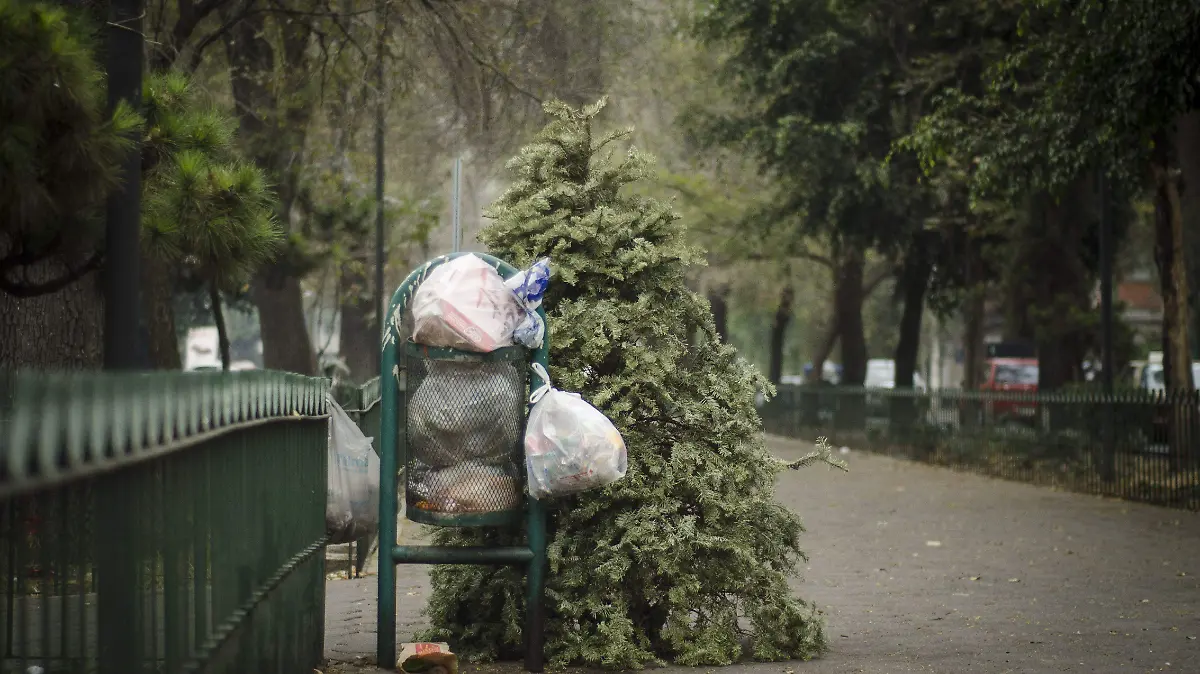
<point>457,427</point>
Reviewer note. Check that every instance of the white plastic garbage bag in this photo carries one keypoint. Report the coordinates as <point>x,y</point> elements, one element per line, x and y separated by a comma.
<point>570,446</point>
<point>464,304</point>
<point>352,503</point>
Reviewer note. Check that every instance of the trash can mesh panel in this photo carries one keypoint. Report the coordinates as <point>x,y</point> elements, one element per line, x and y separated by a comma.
<point>464,431</point>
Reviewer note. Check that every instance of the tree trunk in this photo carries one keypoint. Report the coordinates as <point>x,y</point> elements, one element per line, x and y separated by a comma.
<point>280,305</point>
<point>717,299</point>
<point>970,411</point>
<point>779,326</point>
<point>1057,284</point>
<point>848,297</point>
<point>973,353</point>
<point>824,348</point>
<point>214,299</point>
<point>359,337</point>
<point>275,136</point>
<point>158,295</point>
<point>848,301</point>
<point>1187,154</point>
<point>57,331</point>
<point>1169,256</point>
<point>914,281</point>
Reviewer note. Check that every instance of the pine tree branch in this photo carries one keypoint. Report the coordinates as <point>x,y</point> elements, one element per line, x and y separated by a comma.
<point>23,257</point>
<point>822,454</point>
<point>27,290</point>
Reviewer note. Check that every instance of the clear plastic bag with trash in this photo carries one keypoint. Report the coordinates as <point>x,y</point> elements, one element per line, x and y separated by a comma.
<point>352,500</point>
<point>570,446</point>
<point>465,304</point>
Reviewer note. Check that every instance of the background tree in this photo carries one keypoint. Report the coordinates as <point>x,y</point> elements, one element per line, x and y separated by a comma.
<point>1085,87</point>
<point>673,557</point>
<point>206,212</point>
<point>57,164</point>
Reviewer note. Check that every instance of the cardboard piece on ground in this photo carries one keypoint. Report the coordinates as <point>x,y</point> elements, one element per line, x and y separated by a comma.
<point>426,658</point>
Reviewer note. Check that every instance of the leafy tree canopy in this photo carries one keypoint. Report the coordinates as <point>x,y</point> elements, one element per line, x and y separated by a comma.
<point>1086,84</point>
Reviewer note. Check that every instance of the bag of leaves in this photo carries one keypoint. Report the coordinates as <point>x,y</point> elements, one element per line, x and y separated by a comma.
<point>570,446</point>
<point>352,503</point>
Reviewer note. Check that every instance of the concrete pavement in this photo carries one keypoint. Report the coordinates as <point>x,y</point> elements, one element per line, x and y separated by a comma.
<point>921,569</point>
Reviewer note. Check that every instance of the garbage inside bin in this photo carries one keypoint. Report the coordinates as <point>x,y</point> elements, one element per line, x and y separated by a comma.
<point>427,658</point>
<point>464,428</point>
<point>462,411</point>
<point>470,487</point>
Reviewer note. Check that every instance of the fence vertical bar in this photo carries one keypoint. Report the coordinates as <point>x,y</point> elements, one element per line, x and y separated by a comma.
<point>117,628</point>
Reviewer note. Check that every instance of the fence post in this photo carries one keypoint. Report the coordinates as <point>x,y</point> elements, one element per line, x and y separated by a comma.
<point>118,597</point>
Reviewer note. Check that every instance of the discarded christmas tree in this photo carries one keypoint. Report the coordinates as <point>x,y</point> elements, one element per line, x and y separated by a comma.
<point>689,554</point>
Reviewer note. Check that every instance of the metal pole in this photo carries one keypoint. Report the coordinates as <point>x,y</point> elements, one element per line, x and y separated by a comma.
<point>122,274</point>
<point>380,129</point>
<point>120,623</point>
<point>456,216</point>
<point>1106,328</point>
<point>1106,288</point>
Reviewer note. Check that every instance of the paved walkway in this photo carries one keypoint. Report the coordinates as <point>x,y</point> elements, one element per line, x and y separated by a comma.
<point>925,570</point>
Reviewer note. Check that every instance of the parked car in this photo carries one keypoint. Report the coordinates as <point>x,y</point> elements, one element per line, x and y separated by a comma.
<point>1008,377</point>
<point>1153,379</point>
<point>881,373</point>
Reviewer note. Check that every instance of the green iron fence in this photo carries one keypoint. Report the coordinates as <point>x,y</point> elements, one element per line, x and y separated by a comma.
<point>162,522</point>
<point>1136,445</point>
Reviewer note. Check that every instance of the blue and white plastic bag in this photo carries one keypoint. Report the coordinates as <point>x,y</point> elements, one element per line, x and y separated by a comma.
<point>529,286</point>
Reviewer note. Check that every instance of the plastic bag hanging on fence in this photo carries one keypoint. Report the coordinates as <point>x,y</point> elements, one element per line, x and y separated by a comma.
<point>464,304</point>
<point>352,502</point>
<point>529,286</point>
<point>570,446</point>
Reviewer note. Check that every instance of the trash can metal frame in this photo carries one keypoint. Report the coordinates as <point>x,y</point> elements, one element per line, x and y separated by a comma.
<point>392,454</point>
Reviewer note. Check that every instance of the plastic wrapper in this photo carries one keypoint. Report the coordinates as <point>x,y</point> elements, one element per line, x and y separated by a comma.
<point>529,286</point>
<point>352,501</point>
<point>427,658</point>
<point>570,446</point>
<point>470,487</point>
<point>450,422</point>
<point>464,304</point>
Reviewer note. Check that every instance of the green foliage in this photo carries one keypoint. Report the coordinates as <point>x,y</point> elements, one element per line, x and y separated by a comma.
<point>820,109</point>
<point>1085,84</point>
<point>663,564</point>
<point>60,151</point>
<point>203,206</point>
